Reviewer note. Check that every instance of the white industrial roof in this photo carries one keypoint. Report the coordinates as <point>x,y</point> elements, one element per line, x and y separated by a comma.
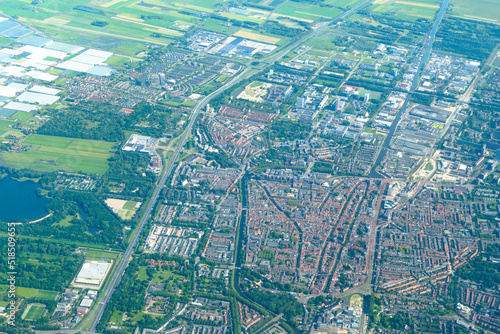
<point>93,270</point>
<point>43,51</point>
<point>74,66</point>
<point>98,53</point>
<point>86,59</point>
<point>44,90</point>
<point>41,76</point>
<point>43,99</point>
<point>20,106</point>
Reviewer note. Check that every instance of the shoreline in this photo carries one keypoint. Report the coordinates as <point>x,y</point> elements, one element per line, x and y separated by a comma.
<point>40,219</point>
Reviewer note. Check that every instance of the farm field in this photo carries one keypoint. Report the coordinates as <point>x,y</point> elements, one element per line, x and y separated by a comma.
<point>50,153</point>
<point>5,125</point>
<point>307,11</point>
<point>481,10</point>
<point>406,10</point>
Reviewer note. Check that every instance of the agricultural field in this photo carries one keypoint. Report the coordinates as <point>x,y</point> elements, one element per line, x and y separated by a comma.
<point>482,10</point>
<point>307,11</point>
<point>5,126</point>
<point>33,312</point>
<point>50,153</point>
<point>406,10</point>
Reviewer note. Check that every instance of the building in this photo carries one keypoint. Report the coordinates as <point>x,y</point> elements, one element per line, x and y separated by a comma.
<point>92,275</point>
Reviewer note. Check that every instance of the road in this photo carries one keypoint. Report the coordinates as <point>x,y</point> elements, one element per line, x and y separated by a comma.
<point>425,56</point>
<point>115,279</point>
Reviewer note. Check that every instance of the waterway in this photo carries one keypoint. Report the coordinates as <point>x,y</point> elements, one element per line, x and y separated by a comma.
<point>428,48</point>
<point>20,201</point>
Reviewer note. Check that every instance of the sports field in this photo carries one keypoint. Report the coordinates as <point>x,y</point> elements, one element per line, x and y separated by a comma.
<point>51,153</point>
<point>33,312</point>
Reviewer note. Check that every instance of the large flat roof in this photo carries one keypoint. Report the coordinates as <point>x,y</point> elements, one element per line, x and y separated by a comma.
<point>92,273</point>
<point>20,106</point>
<point>43,99</point>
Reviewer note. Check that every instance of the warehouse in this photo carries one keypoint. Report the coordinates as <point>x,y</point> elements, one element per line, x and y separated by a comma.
<point>92,274</point>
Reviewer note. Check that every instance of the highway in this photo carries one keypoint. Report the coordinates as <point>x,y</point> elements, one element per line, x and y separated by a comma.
<point>95,316</point>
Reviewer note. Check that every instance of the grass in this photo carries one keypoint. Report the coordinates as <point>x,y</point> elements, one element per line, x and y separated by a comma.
<point>21,115</point>
<point>66,221</point>
<point>307,11</point>
<point>31,292</point>
<point>356,301</point>
<point>116,60</point>
<point>130,205</point>
<point>50,153</point>
<point>408,10</point>
<point>5,125</point>
<point>33,312</point>
<point>95,254</point>
<point>483,10</point>
<point>5,41</point>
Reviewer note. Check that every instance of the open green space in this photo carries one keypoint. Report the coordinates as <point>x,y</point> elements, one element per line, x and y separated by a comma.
<point>30,292</point>
<point>50,153</point>
<point>33,312</point>
<point>307,11</point>
<point>482,10</point>
<point>21,115</point>
<point>5,125</point>
<point>407,10</point>
<point>96,254</point>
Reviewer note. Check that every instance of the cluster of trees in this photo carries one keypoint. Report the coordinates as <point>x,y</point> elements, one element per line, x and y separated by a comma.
<point>129,296</point>
<point>462,37</point>
<point>422,99</point>
<point>277,303</point>
<point>41,264</point>
<point>100,121</point>
<point>221,159</point>
<point>88,216</point>
<point>289,130</point>
<point>486,273</point>
<point>276,28</point>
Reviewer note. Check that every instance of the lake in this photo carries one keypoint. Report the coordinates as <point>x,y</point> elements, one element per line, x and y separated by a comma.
<point>20,202</point>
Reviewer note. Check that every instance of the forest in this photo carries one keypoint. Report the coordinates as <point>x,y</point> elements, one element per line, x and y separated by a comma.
<point>42,264</point>
<point>99,121</point>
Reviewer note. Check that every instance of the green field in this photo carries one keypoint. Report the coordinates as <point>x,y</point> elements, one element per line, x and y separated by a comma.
<point>50,153</point>
<point>5,40</point>
<point>307,11</point>
<point>482,10</point>
<point>33,312</point>
<point>408,10</point>
<point>30,292</point>
<point>21,115</point>
<point>5,125</point>
<point>95,254</point>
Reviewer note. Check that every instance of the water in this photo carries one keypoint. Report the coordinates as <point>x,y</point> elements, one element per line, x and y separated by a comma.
<point>387,142</point>
<point>20,202</point>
